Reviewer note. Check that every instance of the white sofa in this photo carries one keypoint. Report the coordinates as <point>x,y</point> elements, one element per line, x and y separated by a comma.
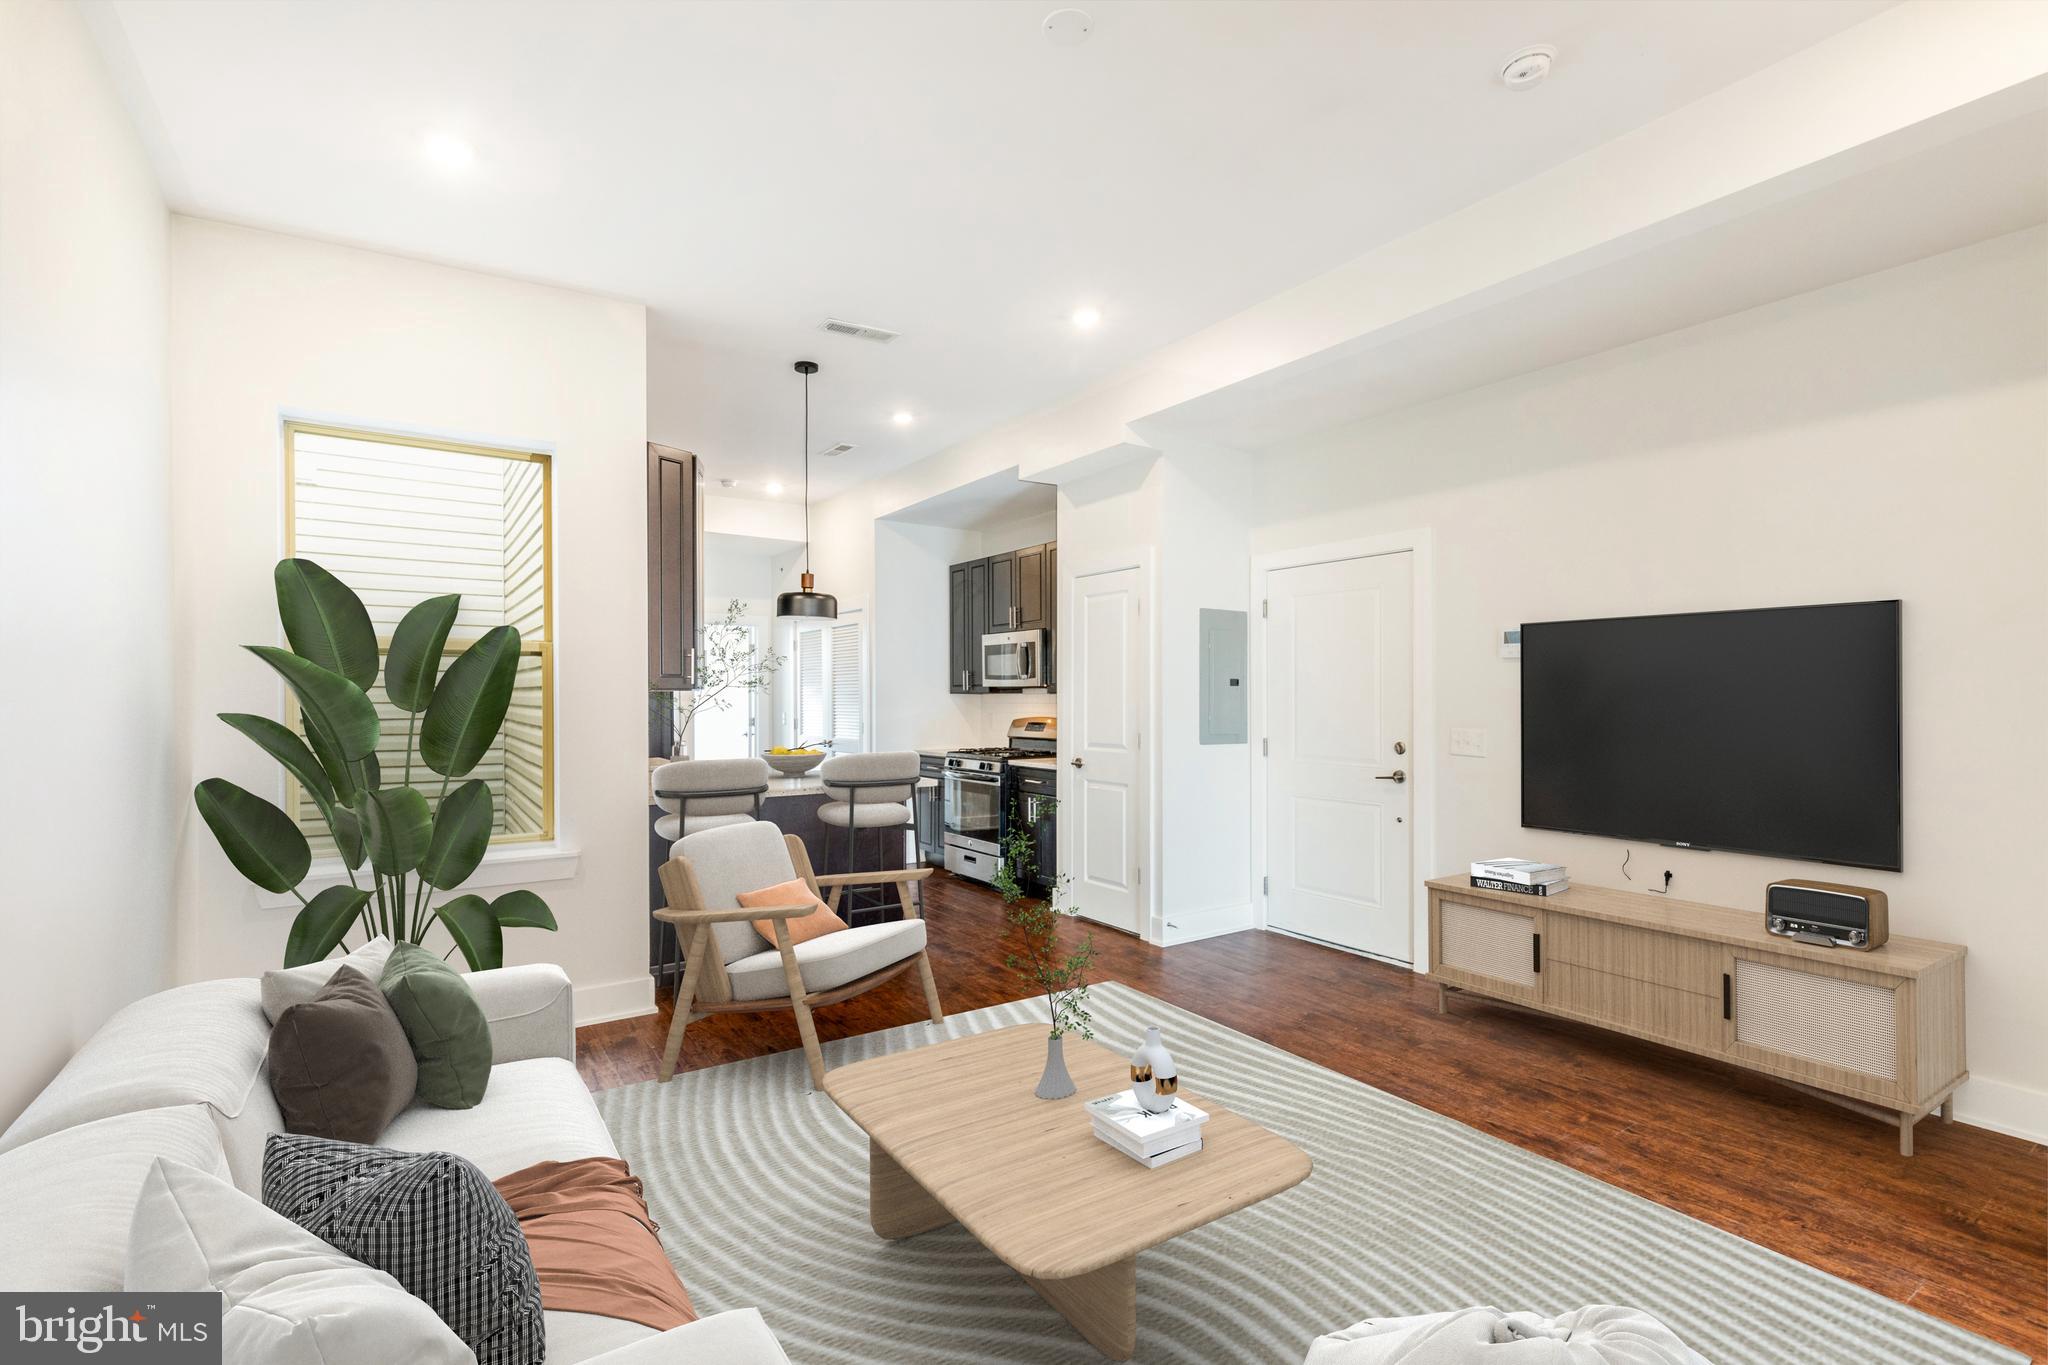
<point>181,1075</point>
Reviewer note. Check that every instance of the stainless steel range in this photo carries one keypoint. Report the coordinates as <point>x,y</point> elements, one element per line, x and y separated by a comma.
<point>978,794</point>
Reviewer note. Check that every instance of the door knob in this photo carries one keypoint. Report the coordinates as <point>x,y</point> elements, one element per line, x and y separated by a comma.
<point>1395,776</point>
<point>1073,762</point>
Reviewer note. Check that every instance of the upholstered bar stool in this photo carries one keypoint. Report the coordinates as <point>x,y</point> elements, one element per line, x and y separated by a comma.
<point>866,792</point>
<point>701,794</point>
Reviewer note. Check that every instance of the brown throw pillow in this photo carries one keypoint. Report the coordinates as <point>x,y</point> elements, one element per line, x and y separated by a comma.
<point>339,1064</point>
<point>594,1245</point>
<point>792,892</point>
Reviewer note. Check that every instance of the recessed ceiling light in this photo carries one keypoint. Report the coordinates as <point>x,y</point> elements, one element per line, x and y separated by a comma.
<point>449,152</point>
<point>1087,318</point>
<point>902,419</point>
<point>1528,67</point>
<point>772,489</point>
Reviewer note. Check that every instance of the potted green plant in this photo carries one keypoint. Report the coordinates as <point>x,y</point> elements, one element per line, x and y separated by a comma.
<point>399,851</point>
<point>1039,957</point>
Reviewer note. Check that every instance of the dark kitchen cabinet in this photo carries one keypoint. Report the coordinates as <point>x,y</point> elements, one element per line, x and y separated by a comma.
<point>1005,592</point>
<point>1052,616</point>
<point>675,579</point>
<point>1033,591</point>
<point>1002,593</point>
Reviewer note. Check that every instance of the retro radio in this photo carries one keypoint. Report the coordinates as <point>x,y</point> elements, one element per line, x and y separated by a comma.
<point>1827,913</point>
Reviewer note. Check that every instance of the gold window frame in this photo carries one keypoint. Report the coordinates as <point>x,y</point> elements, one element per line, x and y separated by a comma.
<point>544,650</point>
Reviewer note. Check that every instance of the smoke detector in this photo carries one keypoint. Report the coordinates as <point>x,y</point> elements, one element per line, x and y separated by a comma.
<point>728,483</point>
<point>1528,67</point>
<point>835,450</point>
<point>843,328</point>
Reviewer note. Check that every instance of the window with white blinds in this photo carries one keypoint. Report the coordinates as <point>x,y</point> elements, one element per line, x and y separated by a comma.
<point>846,688</point>
<point>831,686</point>
<point>813,724</point>
<point>401,519</point>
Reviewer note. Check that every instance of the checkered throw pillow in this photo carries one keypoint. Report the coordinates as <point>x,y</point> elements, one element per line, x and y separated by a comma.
<point>429,1220</point>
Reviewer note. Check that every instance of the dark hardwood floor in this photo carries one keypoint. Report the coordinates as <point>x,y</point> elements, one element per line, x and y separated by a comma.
<point>1959,1231</point>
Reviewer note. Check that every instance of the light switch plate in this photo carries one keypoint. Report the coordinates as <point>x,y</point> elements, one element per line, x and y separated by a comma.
<point>1511,642</point>
<point>1468,743</point>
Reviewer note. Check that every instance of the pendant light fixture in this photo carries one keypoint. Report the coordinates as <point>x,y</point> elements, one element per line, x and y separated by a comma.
<point>808,604</point>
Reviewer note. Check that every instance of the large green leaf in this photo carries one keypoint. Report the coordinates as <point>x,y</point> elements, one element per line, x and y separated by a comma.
<point>325,621</point>
<point>398,825</point>
<point>321,923</point>
<point>334,705</point>
<point>348,835</point>
<point>522,910</point>
<point>259,839</point>
<point>469,704</point>
<point>475,930</point>
<point>462,831</point>
<point>341,773</point>
<point>289,750</point>
<point>414,661</point>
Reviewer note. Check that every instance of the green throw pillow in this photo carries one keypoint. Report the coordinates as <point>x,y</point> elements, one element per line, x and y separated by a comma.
<point>449,1035</point>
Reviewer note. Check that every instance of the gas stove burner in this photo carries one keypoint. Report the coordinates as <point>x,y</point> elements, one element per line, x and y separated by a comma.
<point>993,753</point>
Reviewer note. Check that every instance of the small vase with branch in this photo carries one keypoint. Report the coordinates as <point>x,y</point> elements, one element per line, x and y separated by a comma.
<point>1040,958</point>
<point>732,666</point>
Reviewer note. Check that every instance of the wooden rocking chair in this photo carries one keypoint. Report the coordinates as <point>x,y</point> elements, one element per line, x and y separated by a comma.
<point>730,969</point>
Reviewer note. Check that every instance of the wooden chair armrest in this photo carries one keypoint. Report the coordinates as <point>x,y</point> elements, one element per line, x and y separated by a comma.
<point>901,874</point>
<point>734,915</point>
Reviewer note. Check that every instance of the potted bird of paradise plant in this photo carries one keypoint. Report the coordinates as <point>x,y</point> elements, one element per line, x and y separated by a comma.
<point>405,858</point>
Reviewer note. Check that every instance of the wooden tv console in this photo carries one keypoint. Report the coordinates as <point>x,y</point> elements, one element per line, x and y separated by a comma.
<point>1878,1032</point>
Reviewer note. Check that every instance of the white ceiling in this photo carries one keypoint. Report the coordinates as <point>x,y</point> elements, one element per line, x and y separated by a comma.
<point>939,169</point>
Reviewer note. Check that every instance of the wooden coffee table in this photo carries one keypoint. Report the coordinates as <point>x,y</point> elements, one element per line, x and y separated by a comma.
<point>955,1135</point>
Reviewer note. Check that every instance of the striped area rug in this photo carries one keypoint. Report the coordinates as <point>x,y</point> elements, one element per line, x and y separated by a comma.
<point>761,1192</point>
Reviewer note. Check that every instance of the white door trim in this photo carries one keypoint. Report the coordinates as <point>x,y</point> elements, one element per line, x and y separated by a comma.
<point>1420,544</point>
<point>1151,923</point>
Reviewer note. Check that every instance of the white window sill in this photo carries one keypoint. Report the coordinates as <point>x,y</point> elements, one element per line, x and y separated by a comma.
<point>507,865</point>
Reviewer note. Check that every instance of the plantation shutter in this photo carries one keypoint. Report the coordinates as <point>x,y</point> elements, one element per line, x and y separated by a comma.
<point>811,717</point>
<point>846,688</point>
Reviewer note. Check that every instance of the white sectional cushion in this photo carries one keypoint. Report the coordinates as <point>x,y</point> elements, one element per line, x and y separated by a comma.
<point>583,1336</point>
<point>828,960</point>
<point>739,1337</point>
<point>288,986</point>
<point>198,1044</point>
<point>68,1198</point>
<point>537,1110</point>
<point>289,1298</point>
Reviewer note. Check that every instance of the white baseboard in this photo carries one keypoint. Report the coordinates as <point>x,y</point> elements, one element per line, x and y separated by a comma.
<point>2003,1107</point>
<point>1185,926</point>
<point>601,1003</point>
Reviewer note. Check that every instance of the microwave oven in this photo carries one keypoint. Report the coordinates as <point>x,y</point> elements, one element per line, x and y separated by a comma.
<point>1014,658</point>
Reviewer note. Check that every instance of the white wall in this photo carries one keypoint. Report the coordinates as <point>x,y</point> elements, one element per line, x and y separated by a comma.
<point>264,326</point>
<point>1882,438</point>
<point>96,795</point>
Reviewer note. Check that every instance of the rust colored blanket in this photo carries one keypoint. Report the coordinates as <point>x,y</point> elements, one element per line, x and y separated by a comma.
<point>594,1244</point>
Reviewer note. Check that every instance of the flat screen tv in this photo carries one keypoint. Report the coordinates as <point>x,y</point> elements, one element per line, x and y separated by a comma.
<point>1773,731</point>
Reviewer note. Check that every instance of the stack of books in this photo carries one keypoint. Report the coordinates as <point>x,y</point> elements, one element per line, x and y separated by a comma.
<point>1520,876</point>
<point>1148,1139</point>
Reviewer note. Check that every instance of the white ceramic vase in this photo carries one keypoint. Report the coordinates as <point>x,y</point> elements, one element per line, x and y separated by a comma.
<point>1154,1077</point>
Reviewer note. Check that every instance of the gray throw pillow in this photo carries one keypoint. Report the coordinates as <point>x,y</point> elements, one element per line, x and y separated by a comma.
<point>431,1221</point>
<point>340,1065</point>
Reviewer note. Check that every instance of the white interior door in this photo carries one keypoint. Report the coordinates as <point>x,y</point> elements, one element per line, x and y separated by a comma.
<point>1103,673</point>
<point>731,731</point>
<point>1338,680</point>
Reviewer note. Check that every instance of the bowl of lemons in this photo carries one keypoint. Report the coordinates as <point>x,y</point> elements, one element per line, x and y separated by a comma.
<point>793,762</point>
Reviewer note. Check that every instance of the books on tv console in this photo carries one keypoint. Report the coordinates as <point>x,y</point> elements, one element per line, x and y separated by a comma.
<point>1520,889</point>
<point>1518,870</point>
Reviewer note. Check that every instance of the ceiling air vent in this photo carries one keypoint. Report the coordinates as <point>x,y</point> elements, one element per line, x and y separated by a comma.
<point>830,451</point>
<point>841,327</point>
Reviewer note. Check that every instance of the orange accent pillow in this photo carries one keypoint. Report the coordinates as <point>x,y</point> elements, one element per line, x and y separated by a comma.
<point>801,927</point>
